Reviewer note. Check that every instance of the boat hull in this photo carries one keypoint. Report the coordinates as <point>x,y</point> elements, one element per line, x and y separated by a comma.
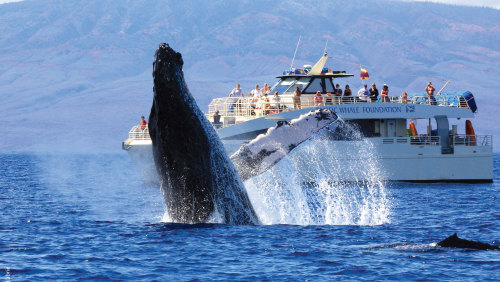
<point>141,153</point>
<point>393,162</point>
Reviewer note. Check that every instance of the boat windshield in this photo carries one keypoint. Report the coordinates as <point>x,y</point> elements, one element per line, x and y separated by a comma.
<point>300,83</point>
<point>283,85</point>
<point>319,84</point>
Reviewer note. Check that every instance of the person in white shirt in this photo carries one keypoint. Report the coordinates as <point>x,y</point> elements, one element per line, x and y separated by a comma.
<point>276,100</point>
<point>236,92</point>
<point>255,92</point>
<point>364,93</point>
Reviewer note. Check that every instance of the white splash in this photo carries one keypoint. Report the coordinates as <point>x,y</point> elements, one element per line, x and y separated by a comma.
<point>314,185</point>
<point>267,149</point>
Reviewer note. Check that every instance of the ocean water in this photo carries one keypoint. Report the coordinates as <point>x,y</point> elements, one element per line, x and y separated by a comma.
<point>69,217</point>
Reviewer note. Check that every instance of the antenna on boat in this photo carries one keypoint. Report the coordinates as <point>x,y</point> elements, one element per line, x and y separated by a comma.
<point>324,51</point>
<point>296,48</point>
<point>439,93</point>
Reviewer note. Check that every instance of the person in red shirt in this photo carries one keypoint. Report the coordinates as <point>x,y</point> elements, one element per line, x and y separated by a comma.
<point>143,123</point>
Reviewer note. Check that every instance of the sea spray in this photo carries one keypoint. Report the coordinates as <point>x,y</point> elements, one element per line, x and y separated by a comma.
<point>324,182</point>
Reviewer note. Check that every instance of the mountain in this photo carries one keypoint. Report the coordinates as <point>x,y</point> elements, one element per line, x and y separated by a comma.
<point>76,75</point>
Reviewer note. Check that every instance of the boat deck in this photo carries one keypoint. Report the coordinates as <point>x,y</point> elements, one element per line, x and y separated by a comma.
<point>247,108</point>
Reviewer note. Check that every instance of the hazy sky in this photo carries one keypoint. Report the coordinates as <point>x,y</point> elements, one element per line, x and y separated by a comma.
<point>487,3</point>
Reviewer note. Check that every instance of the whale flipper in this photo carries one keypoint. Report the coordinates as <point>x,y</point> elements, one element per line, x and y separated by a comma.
<point>263,152</point>
<point>454,242</point>
<point>197,177</point>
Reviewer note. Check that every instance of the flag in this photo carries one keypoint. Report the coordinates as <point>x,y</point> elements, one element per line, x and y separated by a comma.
<point>363,74</point>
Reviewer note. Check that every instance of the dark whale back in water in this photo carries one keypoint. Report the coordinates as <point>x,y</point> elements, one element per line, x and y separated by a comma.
<point>454,242</point>
<point>197,177</point>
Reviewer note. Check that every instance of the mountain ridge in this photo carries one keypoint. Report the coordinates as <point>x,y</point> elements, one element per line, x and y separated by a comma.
<point>68,63</point>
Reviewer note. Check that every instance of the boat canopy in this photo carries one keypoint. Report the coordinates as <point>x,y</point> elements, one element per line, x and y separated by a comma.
<point>452,98</point>
<point>307,84</point>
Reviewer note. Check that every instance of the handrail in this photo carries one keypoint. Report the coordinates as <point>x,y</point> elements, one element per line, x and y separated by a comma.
<point>139,132</point>
<point>250,107</point>
<point>425,140</point>
<point>413,140</point>
<point>472,140</point>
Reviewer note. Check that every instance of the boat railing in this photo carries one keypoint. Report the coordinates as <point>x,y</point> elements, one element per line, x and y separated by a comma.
<point>139,132</point>
<point>455,101</point>
<point>472,140</point>
<point>413,140</point>
<point>425,140</point>
<point>254,107</point>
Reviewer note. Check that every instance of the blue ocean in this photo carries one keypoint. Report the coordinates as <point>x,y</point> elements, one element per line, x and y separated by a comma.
<point>89,216</point>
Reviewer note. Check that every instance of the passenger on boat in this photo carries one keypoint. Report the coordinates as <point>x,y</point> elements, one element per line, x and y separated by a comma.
<point>296,99</point>
<point>347,94</point>
<point>276,100</point>
<point>265,103</point>
<point>363,93</point>
<point>373,93</point>
<point>318,99</point>
<point>338,94</point>
<point>255,92</point>
<point>268,91</point>
<point>143,124</point>
<point>328,98</point>
<point>430,94</point>
<point>216,117</point>
<point>404,98</point>
<point>384,96</point>
<point>338,91</point>
<point>236,92</point>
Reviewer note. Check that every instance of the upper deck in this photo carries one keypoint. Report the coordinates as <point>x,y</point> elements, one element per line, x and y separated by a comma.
<point>235,110</point>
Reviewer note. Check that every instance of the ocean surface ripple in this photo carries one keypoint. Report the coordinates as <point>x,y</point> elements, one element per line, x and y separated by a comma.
<point>70,217</point>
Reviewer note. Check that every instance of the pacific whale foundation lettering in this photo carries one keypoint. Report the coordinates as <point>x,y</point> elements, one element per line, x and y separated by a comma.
<point>382,109</point>
<point>364,109</point>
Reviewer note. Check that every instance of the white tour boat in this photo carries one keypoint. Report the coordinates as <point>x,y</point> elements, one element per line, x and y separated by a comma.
<point>441,153</point>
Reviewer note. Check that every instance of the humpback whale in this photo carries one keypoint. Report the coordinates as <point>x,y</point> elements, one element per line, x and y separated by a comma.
<point>454,242</point>
<point>263,152</point>
<point>197,178</point>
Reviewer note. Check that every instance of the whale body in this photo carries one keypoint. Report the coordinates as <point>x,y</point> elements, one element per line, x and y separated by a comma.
<point>263,152</point>
<point>454,242</point>
<point>197,178</point>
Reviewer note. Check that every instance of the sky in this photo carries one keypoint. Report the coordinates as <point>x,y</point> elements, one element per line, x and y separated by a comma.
<point>482,3</point>
<point>486,3</point>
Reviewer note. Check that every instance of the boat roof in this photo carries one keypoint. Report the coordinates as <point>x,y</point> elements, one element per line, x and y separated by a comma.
<point>334,74</point>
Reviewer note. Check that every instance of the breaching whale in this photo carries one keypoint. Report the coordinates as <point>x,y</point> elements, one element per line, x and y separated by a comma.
<point>454,242</point>
<point>263,152</point>
<point>197,177</point>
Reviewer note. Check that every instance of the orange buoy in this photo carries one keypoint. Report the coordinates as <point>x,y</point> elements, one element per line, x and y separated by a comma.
<point>413,129</point>
<point>470,134</point>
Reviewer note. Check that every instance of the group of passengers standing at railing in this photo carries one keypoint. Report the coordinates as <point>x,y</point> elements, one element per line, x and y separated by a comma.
<point>261,97</point>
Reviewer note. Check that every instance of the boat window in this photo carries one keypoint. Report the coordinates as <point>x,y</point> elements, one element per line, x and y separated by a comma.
<point>300,83</point>
<point>283,85</point>
<point>317,84</point>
